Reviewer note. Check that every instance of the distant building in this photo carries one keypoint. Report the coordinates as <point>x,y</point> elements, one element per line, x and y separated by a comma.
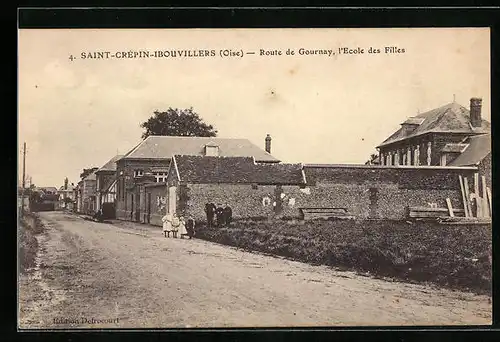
<point>87,194</point>
<point>66,196</point>
<point>148,163</point>
<point>439,137</point>
<point>48,190</point>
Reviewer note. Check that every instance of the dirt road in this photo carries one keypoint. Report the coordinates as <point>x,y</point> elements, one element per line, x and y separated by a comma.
<point>129,276</point>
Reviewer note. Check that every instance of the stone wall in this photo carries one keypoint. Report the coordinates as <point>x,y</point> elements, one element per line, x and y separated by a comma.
<point>366,192</point>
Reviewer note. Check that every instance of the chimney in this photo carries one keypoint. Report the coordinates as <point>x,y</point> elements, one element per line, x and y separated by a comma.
<point>475,112</point>
<point>268,143</point>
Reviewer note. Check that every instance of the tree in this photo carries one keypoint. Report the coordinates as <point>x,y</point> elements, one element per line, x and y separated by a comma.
<point>87,172</point>
<point>373,159</point>
<point>177,122</point>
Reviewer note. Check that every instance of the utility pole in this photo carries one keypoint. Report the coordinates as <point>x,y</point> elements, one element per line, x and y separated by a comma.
<point>24,178</point>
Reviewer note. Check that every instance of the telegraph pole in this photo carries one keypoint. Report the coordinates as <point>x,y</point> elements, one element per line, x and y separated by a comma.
<point>24,178</point>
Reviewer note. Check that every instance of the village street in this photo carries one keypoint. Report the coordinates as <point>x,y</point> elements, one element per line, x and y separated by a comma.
<point>132,276</point>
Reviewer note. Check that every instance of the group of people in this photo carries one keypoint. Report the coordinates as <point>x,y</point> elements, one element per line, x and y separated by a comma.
<point>178,226</point>
<point>222,215</point>
<point>217,216</point>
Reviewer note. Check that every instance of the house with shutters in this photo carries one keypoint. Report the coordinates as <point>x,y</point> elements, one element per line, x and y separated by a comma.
<point>146,166</point>
<point>440,137</point>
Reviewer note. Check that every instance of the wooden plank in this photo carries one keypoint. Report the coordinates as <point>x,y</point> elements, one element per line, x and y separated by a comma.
<point>486,209</point>
<point>467,196</point>
<point>478,201</point>
<point>437,210</point>
<point>450,208</point>
<point>488,192</point>
<point>464,200</point>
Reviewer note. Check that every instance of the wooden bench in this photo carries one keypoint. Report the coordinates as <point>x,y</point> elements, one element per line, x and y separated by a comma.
<point>432,213</point>
<point>324,213</point>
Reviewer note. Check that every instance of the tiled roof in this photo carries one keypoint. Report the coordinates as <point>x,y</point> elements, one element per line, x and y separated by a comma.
<point>479,147</point>
<point>235,170</point>
<point>454,148</point>
<point>160,147</point>
<point>449,118</point>
<point>111,164</point>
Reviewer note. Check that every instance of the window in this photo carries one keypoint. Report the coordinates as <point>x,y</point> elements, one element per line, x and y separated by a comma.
<point>211,150</point>
<point>160,176</point>
<point>138,173</point>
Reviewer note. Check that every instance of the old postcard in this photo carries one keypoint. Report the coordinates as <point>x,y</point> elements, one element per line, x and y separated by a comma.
<point>254,178</point>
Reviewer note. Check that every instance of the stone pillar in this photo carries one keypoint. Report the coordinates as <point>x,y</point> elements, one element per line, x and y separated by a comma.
<point>408,156</point>
<point>381,158</point>
<point>389,158</point>
<point>396,158</point>
<point>99,199</point>
<point>404,157</point>
<point>417,155</point>
<point>429,153</point>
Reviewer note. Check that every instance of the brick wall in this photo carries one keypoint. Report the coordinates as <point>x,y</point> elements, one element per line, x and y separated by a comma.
<point>125,173</point>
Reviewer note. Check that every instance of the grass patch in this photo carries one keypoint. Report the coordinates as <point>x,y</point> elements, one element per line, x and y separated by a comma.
<point>29,226</point>
<point>457,257</point>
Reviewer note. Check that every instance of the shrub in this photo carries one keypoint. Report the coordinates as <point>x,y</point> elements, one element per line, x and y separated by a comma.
<point>452,256</point>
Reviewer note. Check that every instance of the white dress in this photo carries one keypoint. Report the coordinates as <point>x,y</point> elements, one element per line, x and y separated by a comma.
<point>167,222</point>
<point>175,223</point>
<point>182,228</point>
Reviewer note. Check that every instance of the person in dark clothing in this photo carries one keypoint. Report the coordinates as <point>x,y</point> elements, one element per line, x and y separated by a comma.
<point>220,216</point>
<point>98,216</point>
<point>190,224</point>
<point>210,212</point>
<point>228,215</point>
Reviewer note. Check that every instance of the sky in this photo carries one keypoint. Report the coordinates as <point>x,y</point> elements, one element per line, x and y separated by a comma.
<point>79,113</point>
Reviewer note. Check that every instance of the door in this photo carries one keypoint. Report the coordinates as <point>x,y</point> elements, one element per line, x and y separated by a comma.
<point>172,199</point>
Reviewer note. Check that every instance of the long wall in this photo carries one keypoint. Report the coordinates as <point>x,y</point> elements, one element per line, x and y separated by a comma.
<point>365,191</point>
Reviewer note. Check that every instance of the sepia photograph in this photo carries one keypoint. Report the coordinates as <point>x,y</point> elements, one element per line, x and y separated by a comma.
<point>238,178</point>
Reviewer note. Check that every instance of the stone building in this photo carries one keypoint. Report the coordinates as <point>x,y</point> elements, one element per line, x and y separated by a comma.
<point>436,137</point>
<point>149,162</point>
<point>251,189</point>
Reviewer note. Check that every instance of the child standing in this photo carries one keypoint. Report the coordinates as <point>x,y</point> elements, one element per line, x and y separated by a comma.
<point>167,224</point>
<point>182,227</point>
<point>175,225</point>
